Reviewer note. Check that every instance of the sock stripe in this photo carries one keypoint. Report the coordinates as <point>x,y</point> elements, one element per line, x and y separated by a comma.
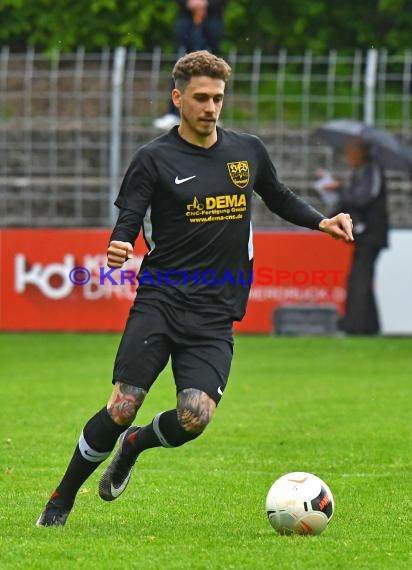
<point>89,453</point>
<point>159,435</point>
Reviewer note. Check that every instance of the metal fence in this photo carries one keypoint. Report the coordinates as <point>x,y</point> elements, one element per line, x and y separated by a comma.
<point>69,123</point>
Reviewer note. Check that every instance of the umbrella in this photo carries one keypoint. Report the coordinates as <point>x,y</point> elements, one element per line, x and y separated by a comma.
<point>388,150</point>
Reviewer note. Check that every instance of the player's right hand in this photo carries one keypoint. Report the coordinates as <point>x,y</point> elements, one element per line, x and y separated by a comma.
<point>339,227</point>
<point>118,252</point>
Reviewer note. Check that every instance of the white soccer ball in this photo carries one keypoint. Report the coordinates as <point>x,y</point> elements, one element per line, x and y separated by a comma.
<point>299,503</point>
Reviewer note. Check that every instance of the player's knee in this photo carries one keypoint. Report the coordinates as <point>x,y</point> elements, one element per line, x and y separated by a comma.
<point>195,409</point>
<point>124,403</point>
<point>193,423</point>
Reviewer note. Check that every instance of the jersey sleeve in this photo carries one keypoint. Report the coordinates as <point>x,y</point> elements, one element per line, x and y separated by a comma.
<point>138,184</point>
<point>279,198</point>
<point>127,227</point>
<point>134,197</point>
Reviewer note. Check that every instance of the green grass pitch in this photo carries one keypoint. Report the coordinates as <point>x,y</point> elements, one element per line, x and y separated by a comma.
<point>337,407</point>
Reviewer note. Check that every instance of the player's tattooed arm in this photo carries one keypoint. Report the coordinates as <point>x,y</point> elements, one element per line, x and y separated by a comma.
<point>195,409</point>
<point>124,403</point>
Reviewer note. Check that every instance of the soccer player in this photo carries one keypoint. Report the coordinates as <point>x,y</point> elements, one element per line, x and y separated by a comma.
<point>191,191</point>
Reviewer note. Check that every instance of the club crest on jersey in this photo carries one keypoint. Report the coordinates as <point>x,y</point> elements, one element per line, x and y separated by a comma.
<point>239,173</point>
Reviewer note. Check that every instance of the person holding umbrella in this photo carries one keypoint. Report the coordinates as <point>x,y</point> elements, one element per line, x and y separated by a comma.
<point>364,198</point>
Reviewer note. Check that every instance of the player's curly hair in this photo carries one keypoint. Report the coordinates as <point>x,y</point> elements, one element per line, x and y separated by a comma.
<point>198,63</point>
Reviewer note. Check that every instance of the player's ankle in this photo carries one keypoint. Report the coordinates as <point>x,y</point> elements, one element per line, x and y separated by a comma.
<point>129,445</point>
<point>60,501</point>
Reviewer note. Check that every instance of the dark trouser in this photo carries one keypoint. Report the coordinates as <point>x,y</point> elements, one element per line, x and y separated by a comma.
<point>190,37</point>
<point>361,316</point>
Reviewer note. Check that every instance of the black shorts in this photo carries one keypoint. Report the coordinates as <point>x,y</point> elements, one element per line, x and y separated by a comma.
<point>201,350</point>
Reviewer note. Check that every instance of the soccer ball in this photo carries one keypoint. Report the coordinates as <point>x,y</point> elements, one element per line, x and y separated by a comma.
<point>299,503</point>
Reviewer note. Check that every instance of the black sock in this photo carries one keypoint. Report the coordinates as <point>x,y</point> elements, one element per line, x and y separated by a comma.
<point>164,431</point>
<point>97,440</point>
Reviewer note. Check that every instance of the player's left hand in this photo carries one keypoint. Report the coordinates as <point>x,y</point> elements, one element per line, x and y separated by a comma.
<point>339,227</point>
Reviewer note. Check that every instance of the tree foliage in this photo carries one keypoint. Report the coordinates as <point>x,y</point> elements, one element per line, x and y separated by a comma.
<point>297,25</point>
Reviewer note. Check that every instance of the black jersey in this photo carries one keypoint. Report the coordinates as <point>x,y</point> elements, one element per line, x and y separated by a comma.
<point>194,205</point>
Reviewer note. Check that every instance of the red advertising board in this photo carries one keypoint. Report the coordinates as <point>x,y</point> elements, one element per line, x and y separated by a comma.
<point>38,268</point>
<point>298,268</point>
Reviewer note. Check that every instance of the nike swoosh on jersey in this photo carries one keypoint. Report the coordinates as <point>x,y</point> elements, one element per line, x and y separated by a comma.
<point>116,491</point>
<point>181,180</point>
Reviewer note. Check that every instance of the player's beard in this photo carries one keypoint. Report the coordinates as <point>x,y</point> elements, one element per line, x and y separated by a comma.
<point>206,127</point>
<point>201,127</point>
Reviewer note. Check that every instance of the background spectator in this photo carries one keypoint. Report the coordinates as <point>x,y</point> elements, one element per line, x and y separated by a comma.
<point>199,25</point>
<point>364,198</point>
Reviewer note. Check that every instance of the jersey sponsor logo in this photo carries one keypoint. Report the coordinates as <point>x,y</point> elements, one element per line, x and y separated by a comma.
<point>195,206</point>
<point>182,180</point>
<point>217,208</point>
<point>218,203</point>
<point>239,173</point>
<point>226,201</point>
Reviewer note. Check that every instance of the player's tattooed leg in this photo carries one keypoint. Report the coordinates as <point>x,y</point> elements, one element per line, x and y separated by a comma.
<point>195,409</point>
<point>124,403</point>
